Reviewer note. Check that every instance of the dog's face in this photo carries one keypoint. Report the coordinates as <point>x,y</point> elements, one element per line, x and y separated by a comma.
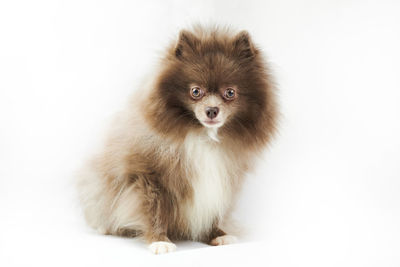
<point>212,108</point>
<point>212,81</point>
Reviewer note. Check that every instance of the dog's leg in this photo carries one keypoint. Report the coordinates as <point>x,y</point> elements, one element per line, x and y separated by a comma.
<point>159,207</point>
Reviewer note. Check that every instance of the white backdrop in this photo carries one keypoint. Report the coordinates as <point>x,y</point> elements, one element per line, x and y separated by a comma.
<point>325,194</point>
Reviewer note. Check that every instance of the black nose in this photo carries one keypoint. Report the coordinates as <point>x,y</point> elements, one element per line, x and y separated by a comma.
<point>212,112</point>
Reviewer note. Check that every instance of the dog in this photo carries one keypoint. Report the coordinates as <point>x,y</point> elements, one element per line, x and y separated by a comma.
<point>176,157</point>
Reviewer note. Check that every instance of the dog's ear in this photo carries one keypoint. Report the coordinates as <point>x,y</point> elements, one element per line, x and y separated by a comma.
<point>187,44</point>
<point>243,46</point>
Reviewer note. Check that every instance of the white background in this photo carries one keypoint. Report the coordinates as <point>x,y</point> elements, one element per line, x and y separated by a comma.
<point>325,194</point>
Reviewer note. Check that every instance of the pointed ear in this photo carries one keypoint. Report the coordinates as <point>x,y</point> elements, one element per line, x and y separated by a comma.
<point>243,46</point>
<point>187,44</point>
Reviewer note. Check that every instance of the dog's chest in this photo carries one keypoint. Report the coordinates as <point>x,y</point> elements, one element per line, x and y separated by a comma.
<point>211,185</point>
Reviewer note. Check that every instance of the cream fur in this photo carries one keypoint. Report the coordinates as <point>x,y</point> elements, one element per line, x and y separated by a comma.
<point>211,183</point>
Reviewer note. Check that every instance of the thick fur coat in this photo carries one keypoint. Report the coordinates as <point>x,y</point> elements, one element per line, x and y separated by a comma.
<point>176,157</point>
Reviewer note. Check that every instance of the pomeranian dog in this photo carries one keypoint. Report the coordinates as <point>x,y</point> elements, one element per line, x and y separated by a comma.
<point>177,155</point>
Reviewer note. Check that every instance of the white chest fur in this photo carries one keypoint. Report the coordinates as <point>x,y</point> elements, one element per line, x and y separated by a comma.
<point>211,183</point>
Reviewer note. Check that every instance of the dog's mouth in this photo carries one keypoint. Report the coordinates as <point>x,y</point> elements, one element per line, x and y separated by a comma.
<point>212,123</point>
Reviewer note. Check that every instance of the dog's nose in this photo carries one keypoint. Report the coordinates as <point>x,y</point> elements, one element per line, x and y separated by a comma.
<point>212,112</point>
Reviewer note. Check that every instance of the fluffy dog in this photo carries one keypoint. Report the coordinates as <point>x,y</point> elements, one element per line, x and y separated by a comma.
<point>176,157</point>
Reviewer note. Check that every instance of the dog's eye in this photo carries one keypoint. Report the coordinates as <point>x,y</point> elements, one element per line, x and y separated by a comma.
<point>196,92</point>
<point>230,94</point>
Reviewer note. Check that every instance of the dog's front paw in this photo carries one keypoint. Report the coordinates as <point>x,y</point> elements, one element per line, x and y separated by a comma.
<point>223,240</point>
<point>161,247</point>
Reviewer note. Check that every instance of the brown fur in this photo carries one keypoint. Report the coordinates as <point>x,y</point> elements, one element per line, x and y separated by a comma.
<point>142,181</point>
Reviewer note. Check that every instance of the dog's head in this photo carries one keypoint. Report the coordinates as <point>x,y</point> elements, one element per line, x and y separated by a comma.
<point>212,80</point>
